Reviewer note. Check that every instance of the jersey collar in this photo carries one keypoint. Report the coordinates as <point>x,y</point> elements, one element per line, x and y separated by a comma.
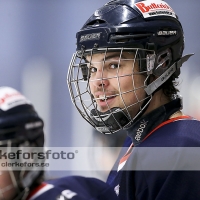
<point>140,129</point>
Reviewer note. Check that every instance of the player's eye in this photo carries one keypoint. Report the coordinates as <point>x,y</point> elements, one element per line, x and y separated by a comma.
<point>114,65</point>
<point>93,69</point>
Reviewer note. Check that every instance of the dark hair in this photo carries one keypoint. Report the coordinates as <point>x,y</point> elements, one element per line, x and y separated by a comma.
<point>169,87</point>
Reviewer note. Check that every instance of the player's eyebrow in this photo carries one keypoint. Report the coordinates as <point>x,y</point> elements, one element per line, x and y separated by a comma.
<point>110,57</point>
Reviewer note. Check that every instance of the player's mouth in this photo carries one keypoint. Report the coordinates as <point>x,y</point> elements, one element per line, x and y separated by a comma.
<point>105,102</point>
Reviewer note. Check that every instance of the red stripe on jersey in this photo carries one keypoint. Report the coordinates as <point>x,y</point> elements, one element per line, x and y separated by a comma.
<point>125,157</point>
<point>167,122</point>
<point>129,151</point>
<point>36,190</point>
<point>42,188</point>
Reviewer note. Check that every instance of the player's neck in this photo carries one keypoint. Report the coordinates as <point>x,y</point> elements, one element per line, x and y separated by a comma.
<point>158,100</point>
<point>176,114</point>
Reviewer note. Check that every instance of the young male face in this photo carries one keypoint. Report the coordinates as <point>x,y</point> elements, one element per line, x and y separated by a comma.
<point>115,81</point>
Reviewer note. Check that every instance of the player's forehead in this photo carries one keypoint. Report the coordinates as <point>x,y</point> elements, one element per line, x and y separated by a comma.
<point>113,55</point>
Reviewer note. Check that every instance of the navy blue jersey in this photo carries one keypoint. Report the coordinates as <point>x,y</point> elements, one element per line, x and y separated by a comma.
<point>74,188</point>
<point>158,184</point>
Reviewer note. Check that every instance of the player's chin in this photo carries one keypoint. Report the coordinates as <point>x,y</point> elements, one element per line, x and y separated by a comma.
<point>104,109</point>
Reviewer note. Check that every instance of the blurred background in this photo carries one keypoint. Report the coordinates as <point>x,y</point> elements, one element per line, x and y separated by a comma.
<point>37,40</point>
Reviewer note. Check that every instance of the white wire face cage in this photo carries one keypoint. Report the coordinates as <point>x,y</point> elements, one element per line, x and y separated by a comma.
<point>107,85</point>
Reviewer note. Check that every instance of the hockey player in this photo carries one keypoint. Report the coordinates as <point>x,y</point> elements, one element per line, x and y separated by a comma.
<point>21,127</point>
<point>123,76</point>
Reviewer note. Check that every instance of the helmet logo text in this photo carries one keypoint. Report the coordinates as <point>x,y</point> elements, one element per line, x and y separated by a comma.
<point>167,33</point>
<point>92,36</point>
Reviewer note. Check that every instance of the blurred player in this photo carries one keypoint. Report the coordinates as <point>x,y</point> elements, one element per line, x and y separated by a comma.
<point>123,76</point>
<point>21,127</point>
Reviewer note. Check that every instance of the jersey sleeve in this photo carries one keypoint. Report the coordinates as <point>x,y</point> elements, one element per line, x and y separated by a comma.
<point>74,188</point>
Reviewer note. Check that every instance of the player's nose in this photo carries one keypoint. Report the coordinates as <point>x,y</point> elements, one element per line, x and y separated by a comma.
<point>100,78</point>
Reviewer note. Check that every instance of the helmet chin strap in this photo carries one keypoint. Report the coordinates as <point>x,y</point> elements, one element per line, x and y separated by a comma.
<point>166,75</point>
<point>110,121</point>
<point>114,119</point>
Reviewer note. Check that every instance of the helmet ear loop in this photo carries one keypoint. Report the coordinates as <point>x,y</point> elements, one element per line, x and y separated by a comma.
<point>162,63</point>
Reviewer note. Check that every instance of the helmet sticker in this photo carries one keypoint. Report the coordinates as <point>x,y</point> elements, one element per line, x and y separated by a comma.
<point>153,8</point>
<point>10,98</point>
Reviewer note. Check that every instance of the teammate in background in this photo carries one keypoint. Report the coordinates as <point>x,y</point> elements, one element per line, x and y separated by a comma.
<point>124,76</point>
<point>21,127</point>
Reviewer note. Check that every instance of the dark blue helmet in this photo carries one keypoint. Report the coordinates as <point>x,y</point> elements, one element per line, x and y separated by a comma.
<point>138,24</point>
<point>20,126</point>
<point>19,122</point>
